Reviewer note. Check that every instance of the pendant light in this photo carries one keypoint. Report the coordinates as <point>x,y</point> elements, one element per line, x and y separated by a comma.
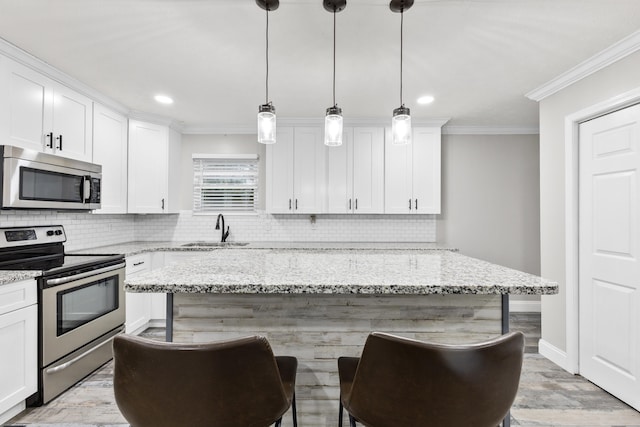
<point>333,119</point>
<point>401,122</point>
<point>266,111</point>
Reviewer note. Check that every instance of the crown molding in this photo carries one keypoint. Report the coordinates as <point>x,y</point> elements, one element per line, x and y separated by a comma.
<point>490,130</point>
<point>15,53</point>
<point>608,56</point>
<point>156,119</point>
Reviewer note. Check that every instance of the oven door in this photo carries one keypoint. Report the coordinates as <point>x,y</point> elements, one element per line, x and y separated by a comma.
<point>79,309</point>
<point>29,184</point>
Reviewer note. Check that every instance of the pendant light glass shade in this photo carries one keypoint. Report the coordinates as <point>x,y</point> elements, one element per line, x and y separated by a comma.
<point>333,127</point>
<point>267,124</point>
<point>267,112</point>
<point>401,126</point>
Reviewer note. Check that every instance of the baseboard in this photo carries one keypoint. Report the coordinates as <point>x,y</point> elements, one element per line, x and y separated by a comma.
<point>524,306</point>
<point>555,355</point>
<point>12,412</point>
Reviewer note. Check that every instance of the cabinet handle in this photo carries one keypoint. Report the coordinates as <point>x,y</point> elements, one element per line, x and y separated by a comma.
<point>59,138</point>
<point>356,204</point>
<point>416,204</point>
<point>409,204</point>
<point>50,137</point>
<point>135,264</point>
<point>349,204</point>
<point>289,204</point>
<point>162,204</point>
<point>296,204</point>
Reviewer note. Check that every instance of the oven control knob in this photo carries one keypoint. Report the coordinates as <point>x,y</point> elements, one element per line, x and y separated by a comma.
<point>58,232</point>
<point>50,233</point>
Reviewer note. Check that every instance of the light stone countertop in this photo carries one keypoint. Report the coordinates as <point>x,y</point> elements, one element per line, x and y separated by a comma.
<point>338,271</point>
<point>134,248</point>
<point>11,276</point>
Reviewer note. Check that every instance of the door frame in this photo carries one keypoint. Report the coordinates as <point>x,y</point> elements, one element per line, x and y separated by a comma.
<point>571,147</point>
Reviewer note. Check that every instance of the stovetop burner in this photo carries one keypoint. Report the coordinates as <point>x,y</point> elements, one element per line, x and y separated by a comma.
<point>40,248</point>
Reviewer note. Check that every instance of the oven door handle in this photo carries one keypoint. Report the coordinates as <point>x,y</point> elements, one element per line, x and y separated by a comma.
<point>68,279</point>
<point>80,356</point>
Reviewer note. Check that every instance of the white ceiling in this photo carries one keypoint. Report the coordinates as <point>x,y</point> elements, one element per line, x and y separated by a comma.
<point>477,57</point>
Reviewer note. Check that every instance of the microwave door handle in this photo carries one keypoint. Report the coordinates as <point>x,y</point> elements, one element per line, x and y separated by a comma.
<point>86,189</point>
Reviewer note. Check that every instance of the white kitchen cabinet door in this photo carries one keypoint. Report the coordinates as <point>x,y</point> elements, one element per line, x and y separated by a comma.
<point>18,360</point>
<point>368,170</point>
<point>72,124</point>
<point>110,151</point>
<point>426,162</point>
<point>308,170</point>
<point>25,93</point>
<point>279,172</point>
<point>355,172</point>
<point>412,173</point>
<point>153,168</point>
<point>41,114</point>
<point>340,175</point>
<point>138,305</point>
<point>398,177</point>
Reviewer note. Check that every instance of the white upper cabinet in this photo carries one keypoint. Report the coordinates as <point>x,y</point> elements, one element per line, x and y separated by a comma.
<point>279,172</point>
<point>110,151</point>
<point>38,113</point>
<point>295,171</point>
<point>355,172</point>
<point>412,173</point>
<point>154,159</point>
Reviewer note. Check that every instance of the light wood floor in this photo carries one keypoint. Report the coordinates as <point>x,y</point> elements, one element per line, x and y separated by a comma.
<point>548,396</point>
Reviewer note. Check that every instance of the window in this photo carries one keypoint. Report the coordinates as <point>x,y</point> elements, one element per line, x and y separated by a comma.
<point>225,183</point>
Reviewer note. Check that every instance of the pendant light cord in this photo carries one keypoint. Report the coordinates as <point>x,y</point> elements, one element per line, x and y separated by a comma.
<point>401,32</point>
<point>334,57</point>
<point>266,83</point>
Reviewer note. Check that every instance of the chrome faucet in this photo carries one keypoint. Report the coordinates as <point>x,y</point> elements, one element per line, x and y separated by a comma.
<point>224,234</point>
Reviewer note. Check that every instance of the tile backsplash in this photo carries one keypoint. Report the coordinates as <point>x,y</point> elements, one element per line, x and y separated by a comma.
<point>294,228</point>
<point>86,230</point>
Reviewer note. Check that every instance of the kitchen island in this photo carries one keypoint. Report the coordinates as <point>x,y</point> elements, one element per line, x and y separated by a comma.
<point>318,304</point>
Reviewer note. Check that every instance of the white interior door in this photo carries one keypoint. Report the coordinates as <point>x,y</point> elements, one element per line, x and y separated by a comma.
<point>609,194</point>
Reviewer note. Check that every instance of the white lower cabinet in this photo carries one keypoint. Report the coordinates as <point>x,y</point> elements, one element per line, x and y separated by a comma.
<point>19,344</point>
<point>138,305</point>
<point>144,309</point>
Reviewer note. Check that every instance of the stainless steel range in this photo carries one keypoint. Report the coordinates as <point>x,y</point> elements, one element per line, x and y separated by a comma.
<point>81,304</point>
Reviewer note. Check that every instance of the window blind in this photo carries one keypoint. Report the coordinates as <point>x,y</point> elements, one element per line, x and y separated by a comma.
<point>224,184</point>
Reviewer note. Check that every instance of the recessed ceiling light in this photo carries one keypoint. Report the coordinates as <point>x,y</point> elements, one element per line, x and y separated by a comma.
<point>163,99</point>
<point>424,100</point>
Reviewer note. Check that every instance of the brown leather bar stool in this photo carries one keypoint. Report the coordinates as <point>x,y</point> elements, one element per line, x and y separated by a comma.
<point>235,383</point>
<point>404,382</point>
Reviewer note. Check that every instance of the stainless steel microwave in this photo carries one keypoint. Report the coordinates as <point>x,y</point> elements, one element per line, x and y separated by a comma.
<point>34,180</point>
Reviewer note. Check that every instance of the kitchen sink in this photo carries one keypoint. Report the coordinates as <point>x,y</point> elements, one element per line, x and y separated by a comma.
<point>215,244</point>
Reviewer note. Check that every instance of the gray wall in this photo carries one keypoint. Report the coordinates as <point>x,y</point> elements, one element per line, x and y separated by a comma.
<point>490,199</point>
<point>605,84</point>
